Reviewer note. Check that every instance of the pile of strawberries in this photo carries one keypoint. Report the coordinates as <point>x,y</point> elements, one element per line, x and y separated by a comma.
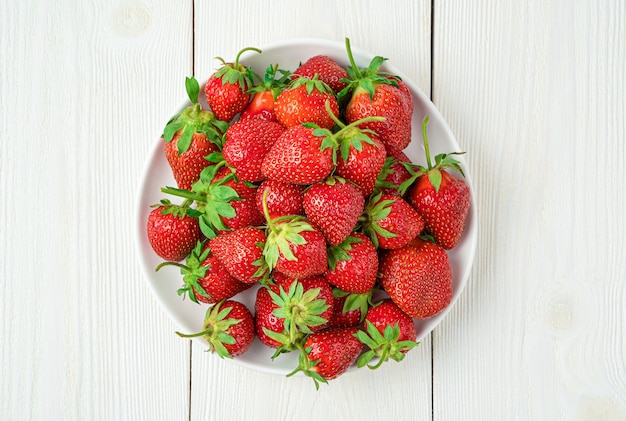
<point>296,182</point>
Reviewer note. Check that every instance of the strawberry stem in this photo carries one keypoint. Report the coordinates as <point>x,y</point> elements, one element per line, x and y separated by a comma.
<point>333,116</point>
<point>236,65</point>
<point>426,148</point>
<point>342,126</point>
<point>179,265</point>
<point>266,212</point>
<point>195,335</point>
<point>183,193</point>
<point>381,360</point>
<point>357,72</point>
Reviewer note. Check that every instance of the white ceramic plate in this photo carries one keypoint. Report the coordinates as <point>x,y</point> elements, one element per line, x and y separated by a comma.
<point>189,316</point>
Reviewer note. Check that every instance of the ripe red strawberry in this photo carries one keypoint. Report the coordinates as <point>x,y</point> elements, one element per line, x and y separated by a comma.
<point>343,314</point>
<point>282,198</point>
<point>353,264</point>
<point>205,278</point>
<point>187,166</point>
<point>228,328</point>
<point>246,212</point>
<point>222,202</point>
<point>393,174</point>
<point>213,200</point>
<point>247,142</point>
<point>444,210</point>
<point>289,310</point>
<point>395,131</point>
<point>264,319</point>
<point>172,232</point>
<point>329,353</point>
<point>441,199</point>
<point>408,97</point>
<point>226,90</point>
<point>241,252</point>
<point>261,107</point>
<point>304,101</point>
<point>358,154</point>
<point>329,71</point>
<point>390,334</point>
<point>297,157</point>
<point>189,137</point>
<point>418,278</point>
<point>264,95</point>
<point>390,221</point>
<point>334,205</point>
<point>363,164</point>
<point>372,92</point>
<point>296,248</point>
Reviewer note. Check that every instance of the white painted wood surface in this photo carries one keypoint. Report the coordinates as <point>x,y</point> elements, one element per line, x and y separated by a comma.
<point>533,90</point>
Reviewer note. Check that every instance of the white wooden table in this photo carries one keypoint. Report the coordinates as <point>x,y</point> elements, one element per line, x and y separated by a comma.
<point>535,93</point>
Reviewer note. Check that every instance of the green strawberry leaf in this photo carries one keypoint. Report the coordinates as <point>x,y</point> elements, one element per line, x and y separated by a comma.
<point>385,346</point>
<point>193,89</point>
<point>223,193</point>
<point>368,86</point>
<point>299,309</point>
<point>171,128</point>
<point>340,252</point>
<point>185,139</point>
<point>434,176</point>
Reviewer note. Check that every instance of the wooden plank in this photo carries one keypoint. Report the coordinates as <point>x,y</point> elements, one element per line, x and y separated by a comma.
<point>86,88</point>
<point>535,93</point>
<point>221,389</point>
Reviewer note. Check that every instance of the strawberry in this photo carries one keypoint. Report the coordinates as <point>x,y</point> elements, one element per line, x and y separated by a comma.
<point>187,166</point>
<point>261,107</point>
<point>247,142</point>
<point>246,212</point>
<point>417,277</point>
<point>294,246</point>
<point>228,328</point>
<point>205,278</point>
<point>395,131</point>
<point>393,174</point>
<point>282,198</point>
<point>390,221</point>
<point>226,89</point>
<point>264,319</point>
<point>189,137</point>
<point>264,95</point>
<point>328,353</point>
<point>304,101</point>
<point>362,164</point>
<point>222,202</point>
<point>172,231</point>
<point>213,200</point>
<point>440,198</point>
<point>358,154</point>
<point>390,334</point>
<point>353,264</point>
<point>287,311</point>
<point>329,71</point>
<point>241,252</point>
<point>343,314</point>
<point>297,157</point>
<point>334,205</point>
<point>372,92</point>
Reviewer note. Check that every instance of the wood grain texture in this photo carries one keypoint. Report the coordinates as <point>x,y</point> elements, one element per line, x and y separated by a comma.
<point>535,93</point>
<point>85,88</point>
